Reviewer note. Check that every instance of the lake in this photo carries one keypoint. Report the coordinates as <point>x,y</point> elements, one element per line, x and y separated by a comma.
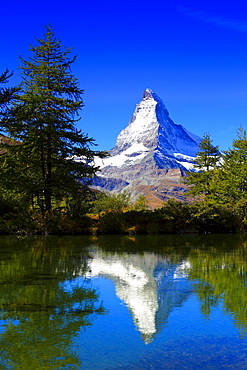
<point>118,302</point>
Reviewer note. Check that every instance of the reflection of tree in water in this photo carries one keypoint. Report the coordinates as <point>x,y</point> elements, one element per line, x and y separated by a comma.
<point>216,263</point>
<point>43,304</point>
<point>222,276</point>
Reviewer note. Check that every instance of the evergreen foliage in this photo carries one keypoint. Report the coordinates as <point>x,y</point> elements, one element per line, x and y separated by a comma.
<point>231,180</point>
<point>6,93</point>
<point>208,157</point>
<point>45,164</point>
<point>206,163</point>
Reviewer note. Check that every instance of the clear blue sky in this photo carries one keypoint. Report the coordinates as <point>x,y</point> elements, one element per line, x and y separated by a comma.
<point>193,54</point>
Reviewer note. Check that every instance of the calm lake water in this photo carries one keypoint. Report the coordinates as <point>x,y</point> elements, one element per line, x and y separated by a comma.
<point>149,302</point>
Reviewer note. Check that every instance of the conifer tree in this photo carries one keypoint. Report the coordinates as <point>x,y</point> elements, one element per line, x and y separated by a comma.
<point>45,164</point>
<point>232,177</point>
<point>205,165</point>
<point>6,93</point>
<point>208,157</point>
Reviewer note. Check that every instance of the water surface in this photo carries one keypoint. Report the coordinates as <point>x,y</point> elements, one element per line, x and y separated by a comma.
<point>149,302</point>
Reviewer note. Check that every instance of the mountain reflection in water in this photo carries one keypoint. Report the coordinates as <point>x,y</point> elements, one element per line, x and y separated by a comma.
<point>186,295</point>
<point>150,286</point>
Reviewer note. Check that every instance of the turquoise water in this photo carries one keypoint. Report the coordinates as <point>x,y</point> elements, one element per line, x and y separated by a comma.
<point>150,302</point>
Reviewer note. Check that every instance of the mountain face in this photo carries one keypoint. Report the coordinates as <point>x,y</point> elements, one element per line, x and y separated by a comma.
<point>150,155</point>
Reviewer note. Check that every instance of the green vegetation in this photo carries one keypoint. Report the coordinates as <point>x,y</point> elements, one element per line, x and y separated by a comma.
<point>221,185</point>
<point>46,165</point>
<point>106,202</point>
<point>6,93</point>
<point>220,277</point>
<point>43,303</point>
<point>206,163</point>
<point>43,164</point>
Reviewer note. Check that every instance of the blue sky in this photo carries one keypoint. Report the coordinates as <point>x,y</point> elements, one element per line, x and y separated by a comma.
<point>193,54</point>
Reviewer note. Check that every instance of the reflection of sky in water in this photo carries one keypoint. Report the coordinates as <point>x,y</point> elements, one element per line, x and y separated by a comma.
<point>134,286</point>
<point>149,286</point>
<point>149,296</point>
<point>70,285</point>
<point>114,339</point>
<point>4,323</point>
<point>152,316</point>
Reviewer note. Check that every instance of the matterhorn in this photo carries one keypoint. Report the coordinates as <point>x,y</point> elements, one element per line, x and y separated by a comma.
<point>150,156</point>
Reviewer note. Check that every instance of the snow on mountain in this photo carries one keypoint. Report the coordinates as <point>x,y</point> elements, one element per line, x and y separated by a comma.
<point>132,154</point>
<point>149,149</point>
<point>151,130</point>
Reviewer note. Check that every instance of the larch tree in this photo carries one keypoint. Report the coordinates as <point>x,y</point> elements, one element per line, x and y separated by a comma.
<point>6,93</point>
<point>232,177</point>
<point>52,155</point>
<point>205,165</point>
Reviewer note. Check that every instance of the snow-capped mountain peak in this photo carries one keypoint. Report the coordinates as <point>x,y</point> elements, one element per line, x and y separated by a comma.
<point>152,133</point>
<point>150,156</point>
